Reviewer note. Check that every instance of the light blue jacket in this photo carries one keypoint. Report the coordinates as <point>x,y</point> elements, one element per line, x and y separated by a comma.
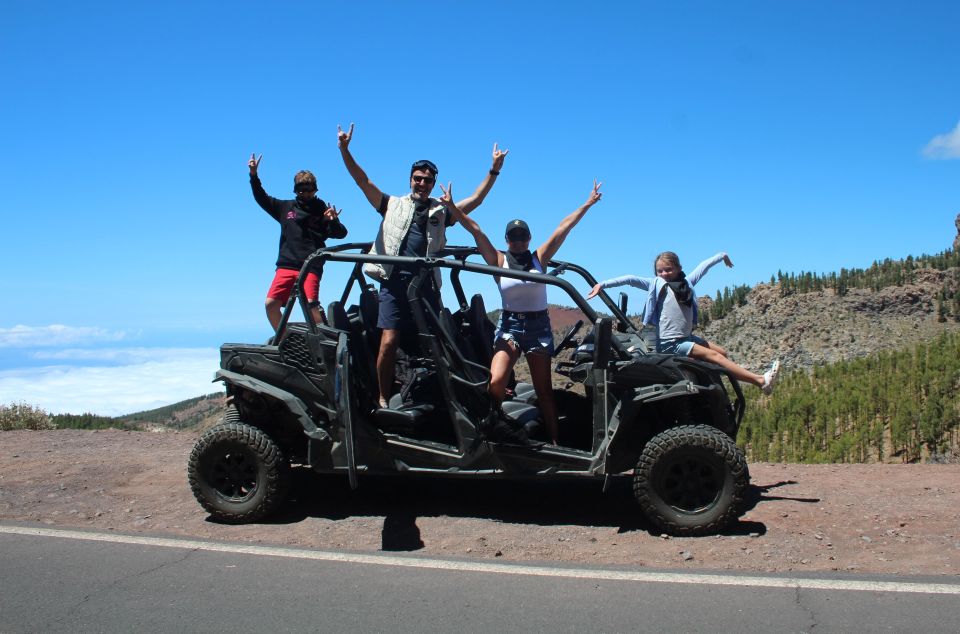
<point>655,286</point>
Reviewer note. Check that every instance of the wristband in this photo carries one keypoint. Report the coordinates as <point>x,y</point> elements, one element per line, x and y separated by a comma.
<point>494,173</point>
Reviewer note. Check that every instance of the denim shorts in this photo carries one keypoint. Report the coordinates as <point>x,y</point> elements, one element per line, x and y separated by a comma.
<point>532,334</point>
<point>680,346</point>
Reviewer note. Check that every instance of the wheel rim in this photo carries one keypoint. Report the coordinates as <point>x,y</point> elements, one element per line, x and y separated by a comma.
<point>690,483</point>
<point>233,474</point>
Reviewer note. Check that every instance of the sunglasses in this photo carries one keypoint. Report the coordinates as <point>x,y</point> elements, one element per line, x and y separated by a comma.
<point>518,237</point>
<point>420,165</point>
<point>423,179</point>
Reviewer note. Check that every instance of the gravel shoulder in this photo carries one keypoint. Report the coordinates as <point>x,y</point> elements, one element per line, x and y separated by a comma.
<point>886,519</point>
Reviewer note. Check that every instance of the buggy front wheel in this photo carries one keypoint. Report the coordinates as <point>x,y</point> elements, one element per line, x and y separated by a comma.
<point>238,473</point>
<point>691,480</point>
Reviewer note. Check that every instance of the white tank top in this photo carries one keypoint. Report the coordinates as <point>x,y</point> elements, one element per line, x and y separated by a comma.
<point>520,296</point>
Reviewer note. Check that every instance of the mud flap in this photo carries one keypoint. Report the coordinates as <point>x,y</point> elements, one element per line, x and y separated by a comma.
<point>345,405</point>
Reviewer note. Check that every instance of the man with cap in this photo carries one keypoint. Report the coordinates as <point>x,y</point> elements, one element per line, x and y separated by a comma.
<point>413,225</point>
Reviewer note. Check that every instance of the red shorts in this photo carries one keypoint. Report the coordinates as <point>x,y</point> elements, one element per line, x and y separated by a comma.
<point>283,284</point>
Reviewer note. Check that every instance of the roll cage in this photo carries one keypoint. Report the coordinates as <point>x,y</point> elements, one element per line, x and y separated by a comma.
<point>453,258</point>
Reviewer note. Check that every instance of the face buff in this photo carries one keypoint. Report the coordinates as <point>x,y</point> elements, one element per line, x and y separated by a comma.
<point>519,261</point>
<point>682,290</point>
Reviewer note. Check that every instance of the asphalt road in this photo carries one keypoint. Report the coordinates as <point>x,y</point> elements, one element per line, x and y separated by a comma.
<point>70,581</point>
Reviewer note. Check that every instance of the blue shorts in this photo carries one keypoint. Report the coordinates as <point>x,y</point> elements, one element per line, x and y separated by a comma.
<point>530,331</point>
<point>680,346</point>
<point>394,308</point>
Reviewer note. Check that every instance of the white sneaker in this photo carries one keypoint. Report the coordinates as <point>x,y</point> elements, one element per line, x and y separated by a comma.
<point>770,377</point>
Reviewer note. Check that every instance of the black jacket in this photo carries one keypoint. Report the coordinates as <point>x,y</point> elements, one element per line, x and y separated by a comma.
<point>303,229</point>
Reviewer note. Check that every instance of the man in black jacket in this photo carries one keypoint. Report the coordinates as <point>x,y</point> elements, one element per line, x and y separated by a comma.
<point>305,224</point>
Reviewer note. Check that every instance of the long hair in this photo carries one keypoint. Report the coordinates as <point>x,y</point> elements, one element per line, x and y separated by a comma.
<point>670,257</point>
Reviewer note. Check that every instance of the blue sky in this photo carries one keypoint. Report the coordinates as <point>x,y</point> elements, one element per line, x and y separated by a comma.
<point>793,135</point>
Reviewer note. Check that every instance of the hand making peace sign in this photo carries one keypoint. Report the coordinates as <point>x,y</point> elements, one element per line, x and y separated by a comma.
<point>254,163</point>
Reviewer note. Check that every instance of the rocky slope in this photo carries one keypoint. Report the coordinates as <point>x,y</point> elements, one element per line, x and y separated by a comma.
<point>807,329</point>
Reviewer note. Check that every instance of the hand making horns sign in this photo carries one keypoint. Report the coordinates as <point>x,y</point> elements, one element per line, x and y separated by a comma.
<point>498,157</point>
<point>343,138</point>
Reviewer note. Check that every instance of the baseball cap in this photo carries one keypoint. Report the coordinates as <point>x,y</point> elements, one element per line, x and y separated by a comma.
<point>517,226</point>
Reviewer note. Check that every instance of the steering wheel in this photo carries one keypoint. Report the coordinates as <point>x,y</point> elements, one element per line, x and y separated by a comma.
<point>568,337</point>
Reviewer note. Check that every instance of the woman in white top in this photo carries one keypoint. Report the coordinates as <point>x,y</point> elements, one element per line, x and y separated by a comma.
<point>524,323</point>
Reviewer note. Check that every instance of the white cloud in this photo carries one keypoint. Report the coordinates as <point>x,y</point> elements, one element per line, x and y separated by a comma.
<point>944,146</point>
<point>56,335</point>
<point>148,378</point>
<point>114,356</point>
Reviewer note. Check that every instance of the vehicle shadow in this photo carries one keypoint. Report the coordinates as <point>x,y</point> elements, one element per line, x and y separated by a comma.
<point>401,501</point>
<point>532,502</point>
<point>757,494</point>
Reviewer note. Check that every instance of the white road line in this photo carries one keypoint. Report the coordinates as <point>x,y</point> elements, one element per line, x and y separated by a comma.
<point>508,569</point>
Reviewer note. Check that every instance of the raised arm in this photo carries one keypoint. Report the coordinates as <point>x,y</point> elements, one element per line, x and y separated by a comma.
<point>371,191</point>
<point>490,255</point>
<point>473,201</point>
<point>549,248</point>
<point>706,265</point>
<point>642,283</point>
<point>268,203</point>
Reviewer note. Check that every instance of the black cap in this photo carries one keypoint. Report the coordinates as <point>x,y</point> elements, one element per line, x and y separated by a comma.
<point>424,164</point>
<point>517,225</point>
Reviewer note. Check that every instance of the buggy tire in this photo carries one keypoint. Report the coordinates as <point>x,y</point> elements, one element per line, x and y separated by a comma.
<point>691,480</point>
<point>238,473</point>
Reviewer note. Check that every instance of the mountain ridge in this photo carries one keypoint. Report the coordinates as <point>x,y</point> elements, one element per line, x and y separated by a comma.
<point>824,326</point>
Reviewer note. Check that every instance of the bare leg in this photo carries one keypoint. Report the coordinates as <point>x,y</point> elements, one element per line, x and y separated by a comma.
<point>313,296</point>
<point>273,307</point>
<point>713,356</point>
<point>718,348</point>
<point>505,355</point>
<point>319,316</point>
<point>386,360</point>
<point>543,385</point>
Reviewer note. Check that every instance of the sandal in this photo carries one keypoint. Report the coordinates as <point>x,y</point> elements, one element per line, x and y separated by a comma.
<point>770,377</point>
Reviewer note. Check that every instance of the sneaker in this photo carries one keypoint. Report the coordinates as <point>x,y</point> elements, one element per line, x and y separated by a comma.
<point>770,377</point>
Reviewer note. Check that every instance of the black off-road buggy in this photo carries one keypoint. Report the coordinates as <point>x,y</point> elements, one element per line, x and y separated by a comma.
<point>308,397</point>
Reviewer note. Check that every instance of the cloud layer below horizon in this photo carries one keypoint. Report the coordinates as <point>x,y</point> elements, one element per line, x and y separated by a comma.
<point>63,369</point>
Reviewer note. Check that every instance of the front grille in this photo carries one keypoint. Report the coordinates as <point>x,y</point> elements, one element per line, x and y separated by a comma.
<point>295,352</point>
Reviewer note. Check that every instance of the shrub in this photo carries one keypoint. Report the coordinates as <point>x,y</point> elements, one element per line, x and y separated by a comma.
<point>24,416</point>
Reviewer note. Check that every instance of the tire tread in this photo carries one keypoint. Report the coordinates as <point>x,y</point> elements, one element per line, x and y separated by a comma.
<point>684,436</point>
<point>277,470</point>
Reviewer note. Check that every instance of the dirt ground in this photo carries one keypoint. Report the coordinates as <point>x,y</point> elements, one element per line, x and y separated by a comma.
<point>890,519</point>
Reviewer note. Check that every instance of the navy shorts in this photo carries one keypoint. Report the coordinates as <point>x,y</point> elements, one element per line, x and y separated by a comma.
<point>530,331</point>
<point>395,308</point>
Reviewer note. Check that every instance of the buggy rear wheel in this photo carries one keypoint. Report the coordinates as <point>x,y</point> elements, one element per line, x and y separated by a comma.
<point>691,480</point>
<point>238,473</point>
